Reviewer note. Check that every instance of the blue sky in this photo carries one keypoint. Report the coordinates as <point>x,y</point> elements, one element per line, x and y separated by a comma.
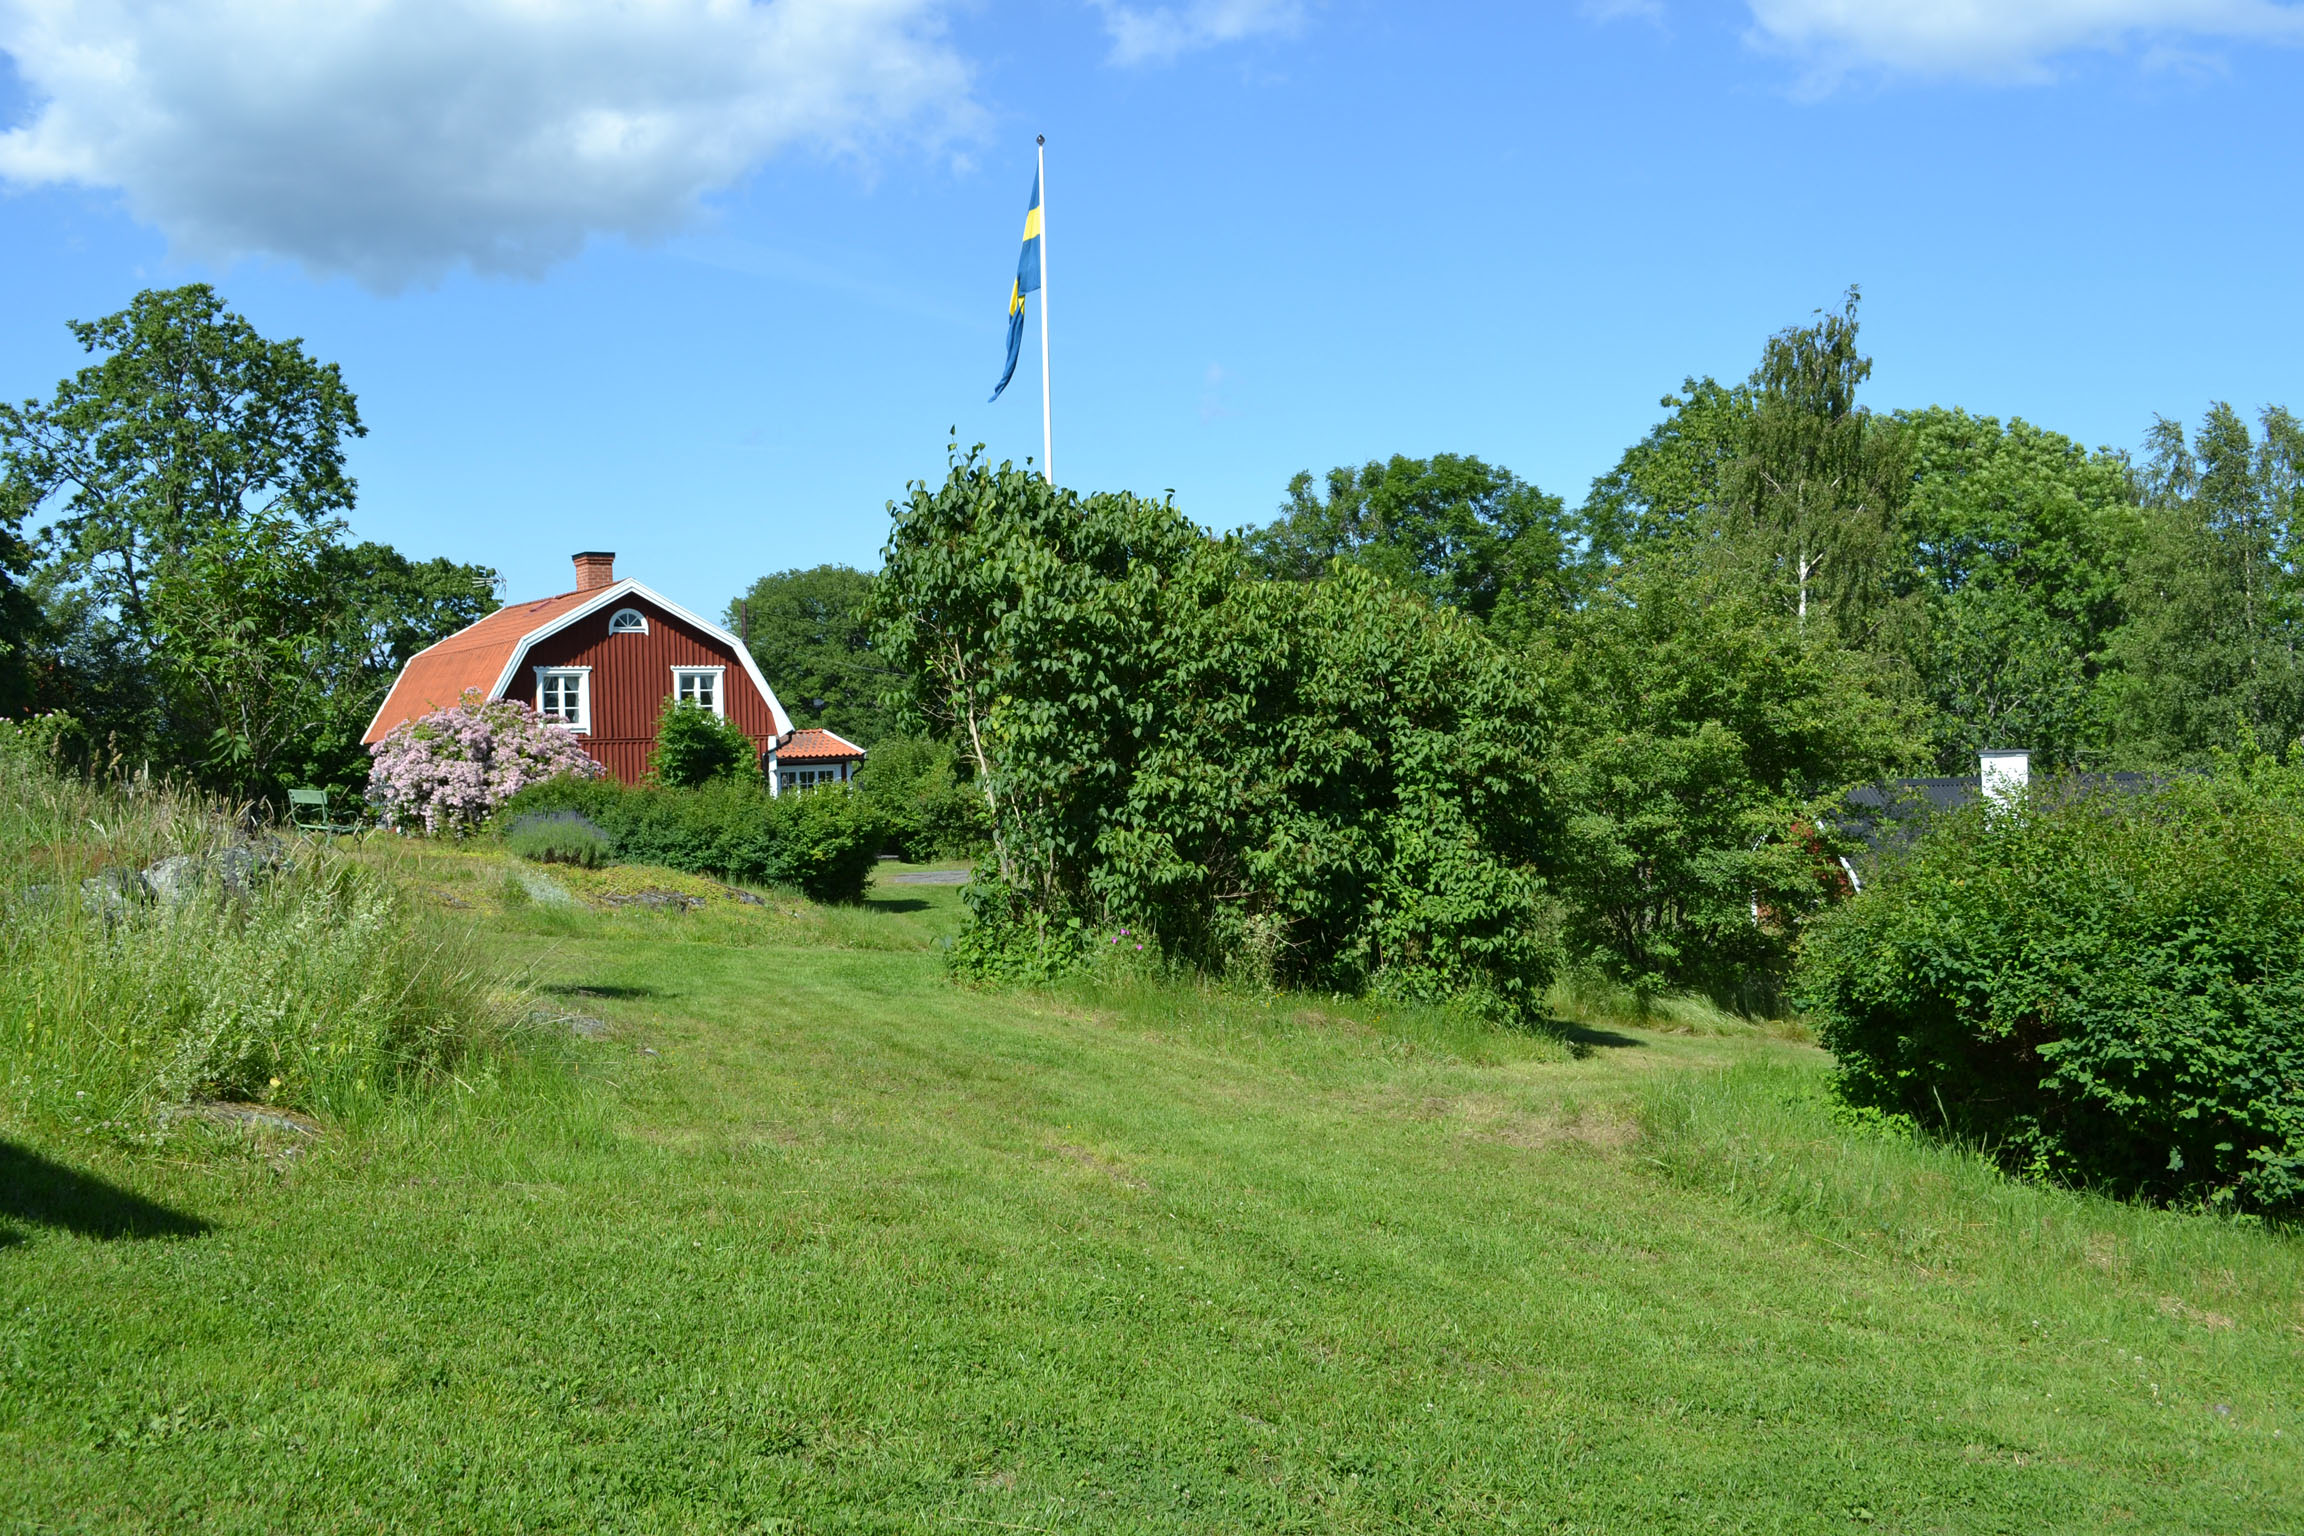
<point>707,283</point>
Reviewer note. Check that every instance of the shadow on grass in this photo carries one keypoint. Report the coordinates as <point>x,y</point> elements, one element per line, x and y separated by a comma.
<point>36,1190</point>
<point>1585,1038</point>
<point>895,904</point>
<point>595,989</point>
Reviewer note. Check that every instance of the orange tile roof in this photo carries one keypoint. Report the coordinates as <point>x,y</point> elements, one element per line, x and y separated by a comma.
<point>813,745</point>
<point>473,657</point>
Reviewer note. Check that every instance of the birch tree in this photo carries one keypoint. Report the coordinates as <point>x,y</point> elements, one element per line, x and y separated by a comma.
<point>1814,498</point>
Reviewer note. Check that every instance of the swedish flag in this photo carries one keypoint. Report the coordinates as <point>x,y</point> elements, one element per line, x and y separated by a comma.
<point>1027,281</point>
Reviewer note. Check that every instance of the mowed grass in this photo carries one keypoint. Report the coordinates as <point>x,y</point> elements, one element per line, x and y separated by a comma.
<point>816,1241</point>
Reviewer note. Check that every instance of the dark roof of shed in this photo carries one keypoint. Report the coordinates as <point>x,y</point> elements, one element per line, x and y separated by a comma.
<point>1892,809</point>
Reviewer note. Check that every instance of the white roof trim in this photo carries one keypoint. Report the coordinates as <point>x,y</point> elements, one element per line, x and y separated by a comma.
<point>629,588</point>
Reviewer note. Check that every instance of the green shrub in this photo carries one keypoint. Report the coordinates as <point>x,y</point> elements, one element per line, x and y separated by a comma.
<point>1699,730</point>
<point>55,738</point>
<point>930,809</point>
<point>559,837</point>
<point>1326,783</point>
<point>282,972</point>
<point>2101,987</point>
<point>695,746</point>
<point>822,842</point>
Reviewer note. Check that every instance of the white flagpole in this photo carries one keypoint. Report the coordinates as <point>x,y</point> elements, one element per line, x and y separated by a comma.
<point>1047,438</point>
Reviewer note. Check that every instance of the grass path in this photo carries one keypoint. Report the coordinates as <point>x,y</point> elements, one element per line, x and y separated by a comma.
<point>816,1242</point>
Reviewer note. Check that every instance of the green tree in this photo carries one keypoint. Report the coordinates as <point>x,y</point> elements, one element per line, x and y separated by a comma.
<point>191,421</point>
<point>194,452</point>
<point>376,609</point>
<point>20,621</point>
<point>2208,657</point>
<point>1815,497</point>
<point>1331,782</point>
<point>1704,737</point>
<point>920,788</point>
<point>1465,534</point>
<point>1676,481</point>
<point>201,612</point>
<point>389,606</point>
<point>237,620</point>
<point>2020,540</point>
<point>809,632</point>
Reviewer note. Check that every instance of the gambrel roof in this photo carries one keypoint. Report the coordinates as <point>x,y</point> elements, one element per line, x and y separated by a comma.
<point>487,654</point>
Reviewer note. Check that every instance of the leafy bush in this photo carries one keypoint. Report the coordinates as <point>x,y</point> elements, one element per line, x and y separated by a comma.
<point>559,837</point>
<point>54,737</point>
<point>930,809</point>
<point>1701,734</point>
<point>1329,782</point>
<point>823,842</point>
<point>286,974</point>
<point>695,746</point>
<point>447,770</point>
<point>2101,987</point>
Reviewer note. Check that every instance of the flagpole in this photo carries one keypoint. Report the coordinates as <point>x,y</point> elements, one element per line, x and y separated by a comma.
<point>1047,438</point>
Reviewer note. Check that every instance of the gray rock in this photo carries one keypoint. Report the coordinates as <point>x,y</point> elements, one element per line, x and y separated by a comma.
<point>656,901</point>
<point>110,892</point>
<point>173,881</point>
<point>746,897</point>
<point>235,868</point>
<point>230,871</point>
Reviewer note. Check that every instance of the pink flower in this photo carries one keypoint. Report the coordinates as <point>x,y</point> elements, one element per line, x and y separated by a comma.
<point>447,770</point>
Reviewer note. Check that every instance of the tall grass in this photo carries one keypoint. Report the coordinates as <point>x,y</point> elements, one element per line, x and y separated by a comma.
<point>1764,1136</point>
<point>1581,996</point>
<point>317,986</point>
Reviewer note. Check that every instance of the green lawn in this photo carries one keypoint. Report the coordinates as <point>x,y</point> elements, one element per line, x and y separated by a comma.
<point>815,1241</point>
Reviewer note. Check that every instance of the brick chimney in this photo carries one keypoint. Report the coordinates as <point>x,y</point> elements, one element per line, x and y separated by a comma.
<point>595,569</point>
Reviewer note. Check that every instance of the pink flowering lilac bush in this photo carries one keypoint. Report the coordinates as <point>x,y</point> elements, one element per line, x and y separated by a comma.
<point>447,770</point>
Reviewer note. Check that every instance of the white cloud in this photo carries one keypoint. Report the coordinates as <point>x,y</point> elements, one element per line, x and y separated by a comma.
<point>1159,34</point>
<point>397,139</point>
<point>2002,40</point>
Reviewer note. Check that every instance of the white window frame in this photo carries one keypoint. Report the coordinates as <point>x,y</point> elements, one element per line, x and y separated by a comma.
<point>582,724</point>
<point>627,621</point>
<point>719,676</point>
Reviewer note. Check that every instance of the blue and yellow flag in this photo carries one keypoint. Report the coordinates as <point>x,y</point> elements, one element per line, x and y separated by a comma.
<point>1027,281</point>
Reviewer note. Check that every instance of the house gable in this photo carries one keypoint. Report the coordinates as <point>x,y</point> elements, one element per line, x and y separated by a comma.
<point>627,671</point>
<point>602,605</point>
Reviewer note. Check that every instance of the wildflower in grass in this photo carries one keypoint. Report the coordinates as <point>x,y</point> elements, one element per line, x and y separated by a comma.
<point>447,770</point>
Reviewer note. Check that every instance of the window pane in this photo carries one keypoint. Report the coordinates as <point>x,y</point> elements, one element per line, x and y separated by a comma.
<point>560,697</point>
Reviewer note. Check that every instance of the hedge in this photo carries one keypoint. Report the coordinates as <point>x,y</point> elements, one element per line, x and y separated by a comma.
<point>821,841</point>
<point>2098,986</point>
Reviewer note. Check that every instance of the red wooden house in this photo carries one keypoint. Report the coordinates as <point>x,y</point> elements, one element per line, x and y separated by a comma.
<point>603,660</point>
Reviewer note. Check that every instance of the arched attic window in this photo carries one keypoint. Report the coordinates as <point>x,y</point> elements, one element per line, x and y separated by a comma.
<point>628,621</point>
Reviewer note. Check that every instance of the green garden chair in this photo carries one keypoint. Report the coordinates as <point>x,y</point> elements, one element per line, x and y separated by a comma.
<point>308,813</point>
